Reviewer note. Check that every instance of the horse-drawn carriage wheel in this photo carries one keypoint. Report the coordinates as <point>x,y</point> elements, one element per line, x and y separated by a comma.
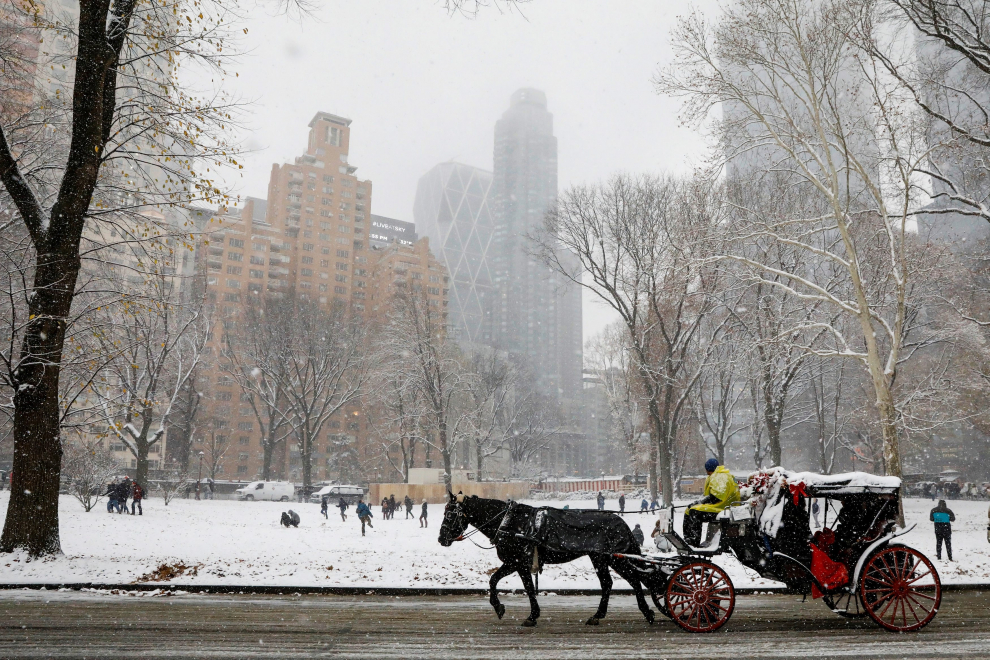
<point>900,588</point>
<point>845,604</point>
<point>700,597</point>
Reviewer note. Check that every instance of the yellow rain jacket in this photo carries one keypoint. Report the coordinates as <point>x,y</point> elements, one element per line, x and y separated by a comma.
<point>722,485</point>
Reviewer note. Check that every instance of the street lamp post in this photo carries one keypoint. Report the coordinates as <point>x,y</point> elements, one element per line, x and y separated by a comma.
<point>199,479</point>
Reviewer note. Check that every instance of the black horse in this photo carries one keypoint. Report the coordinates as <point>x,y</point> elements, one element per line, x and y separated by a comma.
<point>523,553</point>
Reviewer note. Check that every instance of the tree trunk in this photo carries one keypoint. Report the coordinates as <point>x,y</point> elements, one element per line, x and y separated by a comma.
<point>267,449</point>
<point>445,453</point>
<point>481,458</point>
<point>32,512</point>
<point>141,473</point>
<point>306,456</point>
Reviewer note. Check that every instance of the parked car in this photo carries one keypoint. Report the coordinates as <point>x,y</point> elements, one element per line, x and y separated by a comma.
<point>274,491</point>
<point>337,491</point>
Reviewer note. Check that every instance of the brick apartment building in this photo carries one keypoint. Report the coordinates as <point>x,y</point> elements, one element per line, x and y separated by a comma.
<point>308,241</point>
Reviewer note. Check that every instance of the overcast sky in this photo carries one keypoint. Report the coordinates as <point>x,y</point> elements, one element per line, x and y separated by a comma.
<point>423,87</point>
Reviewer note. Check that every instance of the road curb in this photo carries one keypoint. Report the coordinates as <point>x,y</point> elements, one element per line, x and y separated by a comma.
<point>368,590</point>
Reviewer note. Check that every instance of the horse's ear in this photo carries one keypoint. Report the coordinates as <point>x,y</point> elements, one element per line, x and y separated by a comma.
<point>450,495</point>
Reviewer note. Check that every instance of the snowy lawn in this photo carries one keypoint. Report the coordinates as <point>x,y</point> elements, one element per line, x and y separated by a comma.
<point>242,543</point>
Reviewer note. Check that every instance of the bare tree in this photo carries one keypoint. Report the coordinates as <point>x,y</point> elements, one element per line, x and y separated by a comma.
<point>535,423</point>
<point>172,480</point>
<point>118,44</point>
<point>419,330</point>
<point>255,358</point>
<point>721,388</point>
<point>610,357</point>
<point>325,370</point>
<point>801,99</point>
<point>87,468</point>
<point>493,382</point>
<point>160,343</point>
<point>642,246</point>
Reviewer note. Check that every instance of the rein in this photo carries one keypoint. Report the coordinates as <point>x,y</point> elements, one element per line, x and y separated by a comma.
<point>477,528</point>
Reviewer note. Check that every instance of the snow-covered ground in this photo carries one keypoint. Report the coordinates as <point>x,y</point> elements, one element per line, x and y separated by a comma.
<point>242,543</point>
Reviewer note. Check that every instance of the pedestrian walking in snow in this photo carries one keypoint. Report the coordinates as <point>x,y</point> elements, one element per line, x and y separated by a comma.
<point>409,507</point>
<point>601,501</point>
<point>643,506</point>
<point>137,495</point>
<point>111,497</point>
<point>342,505</point>
<point>943,518</point>
<point>815,510</point>
<point>638,535</point>
<point>123,493</point>
<point>384,508</point>
<point>324,505</point>
<point>392,506</point>
<point>622,503</point>
<point>654,505</point>
<point>364,515</point>
<point>423,522</point>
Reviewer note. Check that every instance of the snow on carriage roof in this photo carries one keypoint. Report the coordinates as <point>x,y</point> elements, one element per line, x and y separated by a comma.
<point>846,482</point>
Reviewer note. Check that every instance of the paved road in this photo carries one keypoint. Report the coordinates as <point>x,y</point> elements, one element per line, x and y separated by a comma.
<point>81,625</point>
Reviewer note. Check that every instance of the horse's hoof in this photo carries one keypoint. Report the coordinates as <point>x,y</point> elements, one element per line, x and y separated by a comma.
<point>500,610</point>
<point>529,623</point>
<point>593,621</point>
<point>650,618</point>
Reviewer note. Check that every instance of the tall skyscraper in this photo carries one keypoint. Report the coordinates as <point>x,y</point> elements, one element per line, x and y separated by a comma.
<point>452,209</point>
<point>537,315</point>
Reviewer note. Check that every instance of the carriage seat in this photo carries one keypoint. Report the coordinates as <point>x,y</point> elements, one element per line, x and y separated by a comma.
<point>710,549</point>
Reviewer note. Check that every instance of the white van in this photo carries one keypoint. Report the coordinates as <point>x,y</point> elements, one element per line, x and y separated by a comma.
<point>336,491</point>
<point>274,491</point>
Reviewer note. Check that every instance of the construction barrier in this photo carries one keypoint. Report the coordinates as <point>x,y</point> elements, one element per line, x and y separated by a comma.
<point>437,493</point>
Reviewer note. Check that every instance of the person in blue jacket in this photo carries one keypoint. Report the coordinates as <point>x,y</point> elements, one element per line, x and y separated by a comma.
<point>943,518</point>
<point>364,515</point>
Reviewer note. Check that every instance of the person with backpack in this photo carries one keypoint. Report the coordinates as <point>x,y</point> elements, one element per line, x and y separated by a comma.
<point>137,495</point>
<point>364,515</point>
<point>943,518</point>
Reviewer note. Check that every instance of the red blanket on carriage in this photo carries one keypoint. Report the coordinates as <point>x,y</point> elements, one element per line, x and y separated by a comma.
<point>830,574</point>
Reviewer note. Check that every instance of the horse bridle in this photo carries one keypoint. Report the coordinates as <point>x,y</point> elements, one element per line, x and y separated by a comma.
<point>460,514</point>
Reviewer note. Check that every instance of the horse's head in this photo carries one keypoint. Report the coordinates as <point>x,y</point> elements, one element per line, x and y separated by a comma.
<point>454,520</point>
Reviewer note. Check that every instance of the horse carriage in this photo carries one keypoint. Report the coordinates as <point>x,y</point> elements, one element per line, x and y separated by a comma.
<point>852,563</point>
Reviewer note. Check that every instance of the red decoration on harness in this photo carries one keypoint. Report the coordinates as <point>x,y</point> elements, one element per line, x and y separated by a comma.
<point>830,574</point>
<point>797,490</point>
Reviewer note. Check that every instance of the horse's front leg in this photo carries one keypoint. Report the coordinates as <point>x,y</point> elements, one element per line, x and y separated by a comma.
<point>605,579</point>
<point>502,571</point>
<point>534,607</point>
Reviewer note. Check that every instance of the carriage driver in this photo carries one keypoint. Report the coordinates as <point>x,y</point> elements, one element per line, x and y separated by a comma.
<point>720,492</point>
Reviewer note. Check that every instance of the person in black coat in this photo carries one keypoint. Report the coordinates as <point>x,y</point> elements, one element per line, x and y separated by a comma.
<point>622,504</point>
<point>601,501</point>
<point>638,535</point>
<point>342,505</point>
<point>943,518</point>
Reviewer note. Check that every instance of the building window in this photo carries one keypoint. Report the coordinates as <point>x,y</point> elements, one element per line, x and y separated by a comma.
<point>245,426</point>
<point>232,297</point>
<point>234,270</point>
<point>340,278</point>
<point>323,287</point>
<point>258,261</point>
<point>341,266</point>
<point>344,229</point>
<point>258,247</point>
<point>254,288</point>
<point>327,178</point>
<point>307,272</point>
<point>241,469</point>
<point>234,284</point>
<point>256,273</point>
<point>235,256</point>
<point>236,242</point>
<point>307,260</point>
<point>308,247</point>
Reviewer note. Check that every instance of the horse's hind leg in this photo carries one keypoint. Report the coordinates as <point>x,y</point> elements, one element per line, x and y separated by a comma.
<point>605,578</point>
<point>502,571</point>
<point>534,613</point>
<point>628,573</point>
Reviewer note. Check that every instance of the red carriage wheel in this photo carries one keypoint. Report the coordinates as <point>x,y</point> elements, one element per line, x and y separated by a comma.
<point>700,597</point>
<point>845,604</point>
<point>900,589</point>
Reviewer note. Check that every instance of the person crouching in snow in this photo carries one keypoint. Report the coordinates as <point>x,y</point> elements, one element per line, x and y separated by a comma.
<point>364,515</point>
<point>290,518</point>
